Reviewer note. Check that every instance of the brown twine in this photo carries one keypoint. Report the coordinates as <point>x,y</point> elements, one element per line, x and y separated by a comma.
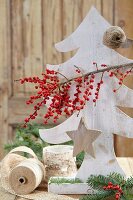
<point>6,192</point>
<point>114,37</point>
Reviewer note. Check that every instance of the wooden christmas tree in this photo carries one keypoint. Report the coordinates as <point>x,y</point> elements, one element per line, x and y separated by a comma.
<point>103,119</point>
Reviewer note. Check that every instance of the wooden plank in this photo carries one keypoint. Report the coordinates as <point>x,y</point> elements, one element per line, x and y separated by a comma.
<point>86,5</point>
<point>26,42</point>
<point>126,164</point>
<point>17,45</point>
<point>4,63</point>
<point>32,40</point>
<point>68,22</point>
<point>52,30</point>
<point>123,17</point>
<point>18,111</point>
<point>108,10</point>
<point>123,146</point>
<point>8,50</point>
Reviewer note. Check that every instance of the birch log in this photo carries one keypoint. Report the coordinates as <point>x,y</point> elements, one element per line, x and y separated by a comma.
<point>59,161</point>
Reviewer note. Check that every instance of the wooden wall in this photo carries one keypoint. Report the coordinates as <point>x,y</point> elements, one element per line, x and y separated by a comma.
<point>28,31</point>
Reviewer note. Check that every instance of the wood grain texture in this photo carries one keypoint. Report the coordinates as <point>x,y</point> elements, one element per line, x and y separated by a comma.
<point>4,72</point>
<point>52,30</point>
<point>107,10</point>
<point>32,40</point>
<point>19,111</point>
<point>17,48</point>
<point>123,17</point>
<point>26,42</point>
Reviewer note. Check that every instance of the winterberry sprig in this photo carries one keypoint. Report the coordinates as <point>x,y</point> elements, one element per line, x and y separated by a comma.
<point>50,90</point>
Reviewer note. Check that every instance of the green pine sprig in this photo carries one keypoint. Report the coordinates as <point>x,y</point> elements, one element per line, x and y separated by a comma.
<point>99,182</point>
<point>129,183</point>
<point>28,137</point>
<point>98,196</point>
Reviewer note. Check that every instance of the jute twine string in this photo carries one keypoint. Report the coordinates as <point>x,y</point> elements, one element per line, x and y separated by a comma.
<point>9,163</point>
<point>114,37</point>
<point>15,165</point>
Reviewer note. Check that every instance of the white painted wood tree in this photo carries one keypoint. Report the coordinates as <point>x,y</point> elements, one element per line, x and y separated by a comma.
<point>105,117</point>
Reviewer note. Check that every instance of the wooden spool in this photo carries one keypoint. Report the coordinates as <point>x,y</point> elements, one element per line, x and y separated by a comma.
<point>25,177</point>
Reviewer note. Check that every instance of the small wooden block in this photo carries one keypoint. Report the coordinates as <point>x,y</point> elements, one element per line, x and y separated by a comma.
<point>68,188</point>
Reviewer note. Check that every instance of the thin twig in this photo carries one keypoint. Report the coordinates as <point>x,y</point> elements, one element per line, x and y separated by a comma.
<point>108,68</point>
<point>62,75</point>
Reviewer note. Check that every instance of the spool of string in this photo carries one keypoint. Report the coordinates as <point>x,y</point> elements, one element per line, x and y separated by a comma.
<point>12,161</point>
<point>26,177</point>
<point>20,175</point>
<point>114,37</point>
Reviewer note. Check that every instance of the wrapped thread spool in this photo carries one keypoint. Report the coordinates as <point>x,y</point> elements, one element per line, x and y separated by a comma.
<point>26,177</point>
<point>114,37</point>
<point>59,161</point>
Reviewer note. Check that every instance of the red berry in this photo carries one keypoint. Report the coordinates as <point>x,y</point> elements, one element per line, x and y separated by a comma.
<point>26,120</point>
<point>21,81</point>
<point>103,65</point>
<point>91,87</point>
<point>120,83</point>
<point>93,76</point>
<point>111,74</point>
<point>91,81</point>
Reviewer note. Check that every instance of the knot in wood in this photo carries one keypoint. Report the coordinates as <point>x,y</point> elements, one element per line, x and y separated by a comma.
<point>114,37</point>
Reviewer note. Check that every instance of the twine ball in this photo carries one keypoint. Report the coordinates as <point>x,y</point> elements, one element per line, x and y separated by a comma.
<point>114,37</point>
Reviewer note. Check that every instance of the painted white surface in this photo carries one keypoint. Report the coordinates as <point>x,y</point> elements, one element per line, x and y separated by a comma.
<point>57,135</point>
<point>105,116</point>
<point>68,188</point>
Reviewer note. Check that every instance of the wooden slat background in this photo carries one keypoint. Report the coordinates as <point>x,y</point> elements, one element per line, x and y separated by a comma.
<point>28,31</point>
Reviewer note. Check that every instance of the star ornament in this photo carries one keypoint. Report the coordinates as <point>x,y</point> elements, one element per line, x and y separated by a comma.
<point>83,139</point>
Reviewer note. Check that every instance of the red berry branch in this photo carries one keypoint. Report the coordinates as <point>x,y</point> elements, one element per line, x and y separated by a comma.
<point>50,90</point>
